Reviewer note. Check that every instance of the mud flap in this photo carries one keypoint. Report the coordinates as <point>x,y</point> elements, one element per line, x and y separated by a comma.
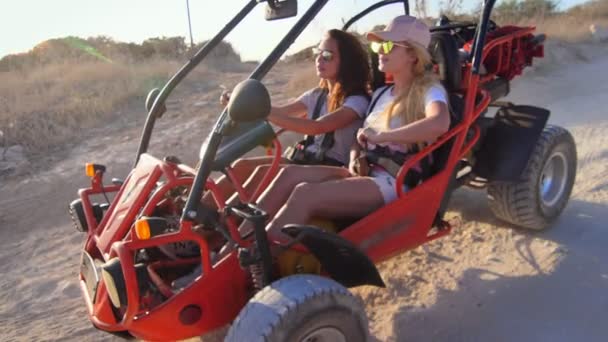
<point>344,262</point>
<point>509,142</point>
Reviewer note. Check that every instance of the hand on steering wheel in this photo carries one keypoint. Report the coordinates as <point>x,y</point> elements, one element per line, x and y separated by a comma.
<point>225,97</point>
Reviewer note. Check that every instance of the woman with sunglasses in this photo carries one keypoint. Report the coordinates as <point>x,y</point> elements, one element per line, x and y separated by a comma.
<point>412,111</point>
<point>342,98</point>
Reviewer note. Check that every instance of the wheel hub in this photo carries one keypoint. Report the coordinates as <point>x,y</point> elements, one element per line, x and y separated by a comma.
<point>325,334</point>
<point>553,179</point>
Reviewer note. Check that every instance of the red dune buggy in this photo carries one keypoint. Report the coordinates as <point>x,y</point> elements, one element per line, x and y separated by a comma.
<point>154,234</point>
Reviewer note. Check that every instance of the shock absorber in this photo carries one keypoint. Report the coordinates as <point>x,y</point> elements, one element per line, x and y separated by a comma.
<point>249,259</point>
<point>257,276</point>
<point>258,259</point>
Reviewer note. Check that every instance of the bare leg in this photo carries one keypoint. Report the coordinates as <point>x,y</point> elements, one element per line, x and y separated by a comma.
<point>252,182</point>
<point>242,169</point>
<point>348,197</point>
<point>281,187</point>
<point>279,190</point>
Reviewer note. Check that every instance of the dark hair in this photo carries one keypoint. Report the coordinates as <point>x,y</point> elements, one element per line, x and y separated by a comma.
<point>354,70</point>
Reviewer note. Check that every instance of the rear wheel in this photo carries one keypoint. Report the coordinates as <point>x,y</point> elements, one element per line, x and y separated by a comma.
<point>301,308</point>
<point>541,195</point>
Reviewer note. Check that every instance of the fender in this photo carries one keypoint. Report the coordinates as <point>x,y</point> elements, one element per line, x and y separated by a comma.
<point>343,261</point>
<point>508,142</point>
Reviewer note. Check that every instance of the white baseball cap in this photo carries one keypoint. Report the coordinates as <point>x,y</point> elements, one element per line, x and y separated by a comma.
<point>403,28</point>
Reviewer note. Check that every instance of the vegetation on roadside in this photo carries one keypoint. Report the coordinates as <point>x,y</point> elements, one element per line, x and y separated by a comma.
<point>62,86</point>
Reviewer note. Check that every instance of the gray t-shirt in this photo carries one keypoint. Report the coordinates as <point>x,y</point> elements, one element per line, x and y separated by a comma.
<point>343,137</point>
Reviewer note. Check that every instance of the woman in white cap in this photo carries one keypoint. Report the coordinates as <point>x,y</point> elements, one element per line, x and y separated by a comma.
<point>412,111</point>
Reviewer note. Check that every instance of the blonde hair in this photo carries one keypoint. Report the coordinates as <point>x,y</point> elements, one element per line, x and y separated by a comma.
<point>409,103</point>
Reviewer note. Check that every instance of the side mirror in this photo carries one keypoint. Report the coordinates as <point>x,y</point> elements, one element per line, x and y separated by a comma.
<point>280,9</point>
<point>249,101</point>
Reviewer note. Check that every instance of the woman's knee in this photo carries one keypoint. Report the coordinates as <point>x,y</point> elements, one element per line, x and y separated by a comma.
<point>302,194</point>
<point>286,175</point>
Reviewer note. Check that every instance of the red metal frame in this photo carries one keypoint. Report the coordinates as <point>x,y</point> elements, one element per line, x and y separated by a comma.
<point>223,288</point>
<point>113,238</point>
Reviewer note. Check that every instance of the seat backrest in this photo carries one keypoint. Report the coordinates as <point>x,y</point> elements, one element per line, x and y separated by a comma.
<point>444,53</point>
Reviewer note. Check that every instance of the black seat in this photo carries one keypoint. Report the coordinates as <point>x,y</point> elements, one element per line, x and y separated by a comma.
<point>445,55</point>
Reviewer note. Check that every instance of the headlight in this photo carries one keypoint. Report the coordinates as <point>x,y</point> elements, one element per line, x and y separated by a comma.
<point>77,213</point>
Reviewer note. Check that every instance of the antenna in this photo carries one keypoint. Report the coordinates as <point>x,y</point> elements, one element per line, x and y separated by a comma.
<point>189,23</point>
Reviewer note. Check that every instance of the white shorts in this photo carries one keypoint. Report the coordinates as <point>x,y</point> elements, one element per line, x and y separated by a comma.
<point>386,183</point>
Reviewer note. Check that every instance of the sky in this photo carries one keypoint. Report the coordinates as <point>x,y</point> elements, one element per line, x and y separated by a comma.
<point>25,23</point>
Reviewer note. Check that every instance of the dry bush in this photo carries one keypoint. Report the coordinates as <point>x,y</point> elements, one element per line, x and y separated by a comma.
<point>569,26</point>
<point>62,86</point>
<point>47,106</point>
<point>573,25</point>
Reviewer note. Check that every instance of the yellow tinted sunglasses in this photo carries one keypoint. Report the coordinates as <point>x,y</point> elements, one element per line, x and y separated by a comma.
<point>386,46</point>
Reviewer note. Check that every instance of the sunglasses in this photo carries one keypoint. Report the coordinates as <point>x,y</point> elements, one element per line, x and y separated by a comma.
<point>386,46</point>
<point>326,55</point>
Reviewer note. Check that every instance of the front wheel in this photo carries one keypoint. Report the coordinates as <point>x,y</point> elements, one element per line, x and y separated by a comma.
<point>302,308</point>
<point>547,181</point>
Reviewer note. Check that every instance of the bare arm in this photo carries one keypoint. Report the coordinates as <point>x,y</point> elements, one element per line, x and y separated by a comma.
<point>436,123</point>
<point>326,123</point>
<point>292,109</point>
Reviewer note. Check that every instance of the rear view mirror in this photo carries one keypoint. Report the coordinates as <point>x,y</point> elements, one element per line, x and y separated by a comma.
<point>249,101</point>
<point>280,9</point>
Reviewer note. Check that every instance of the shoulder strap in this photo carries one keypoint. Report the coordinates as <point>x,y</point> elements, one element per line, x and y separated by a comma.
<point>310,139</point>
<point>375,99</point>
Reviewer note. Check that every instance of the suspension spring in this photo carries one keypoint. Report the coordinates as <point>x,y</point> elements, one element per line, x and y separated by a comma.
<point>257,275</point>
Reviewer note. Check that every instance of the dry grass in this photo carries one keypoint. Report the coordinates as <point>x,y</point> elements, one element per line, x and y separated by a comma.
<point>567,27</point>
<point>64,86</point>
<point>47,106</point>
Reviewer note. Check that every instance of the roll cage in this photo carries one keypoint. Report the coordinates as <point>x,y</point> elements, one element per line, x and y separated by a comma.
<point>156,101</point>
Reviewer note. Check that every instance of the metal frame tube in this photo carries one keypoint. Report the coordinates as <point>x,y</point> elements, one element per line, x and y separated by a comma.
<point>374,7</point>
<point>182,73</point>
<point>480,38</point>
